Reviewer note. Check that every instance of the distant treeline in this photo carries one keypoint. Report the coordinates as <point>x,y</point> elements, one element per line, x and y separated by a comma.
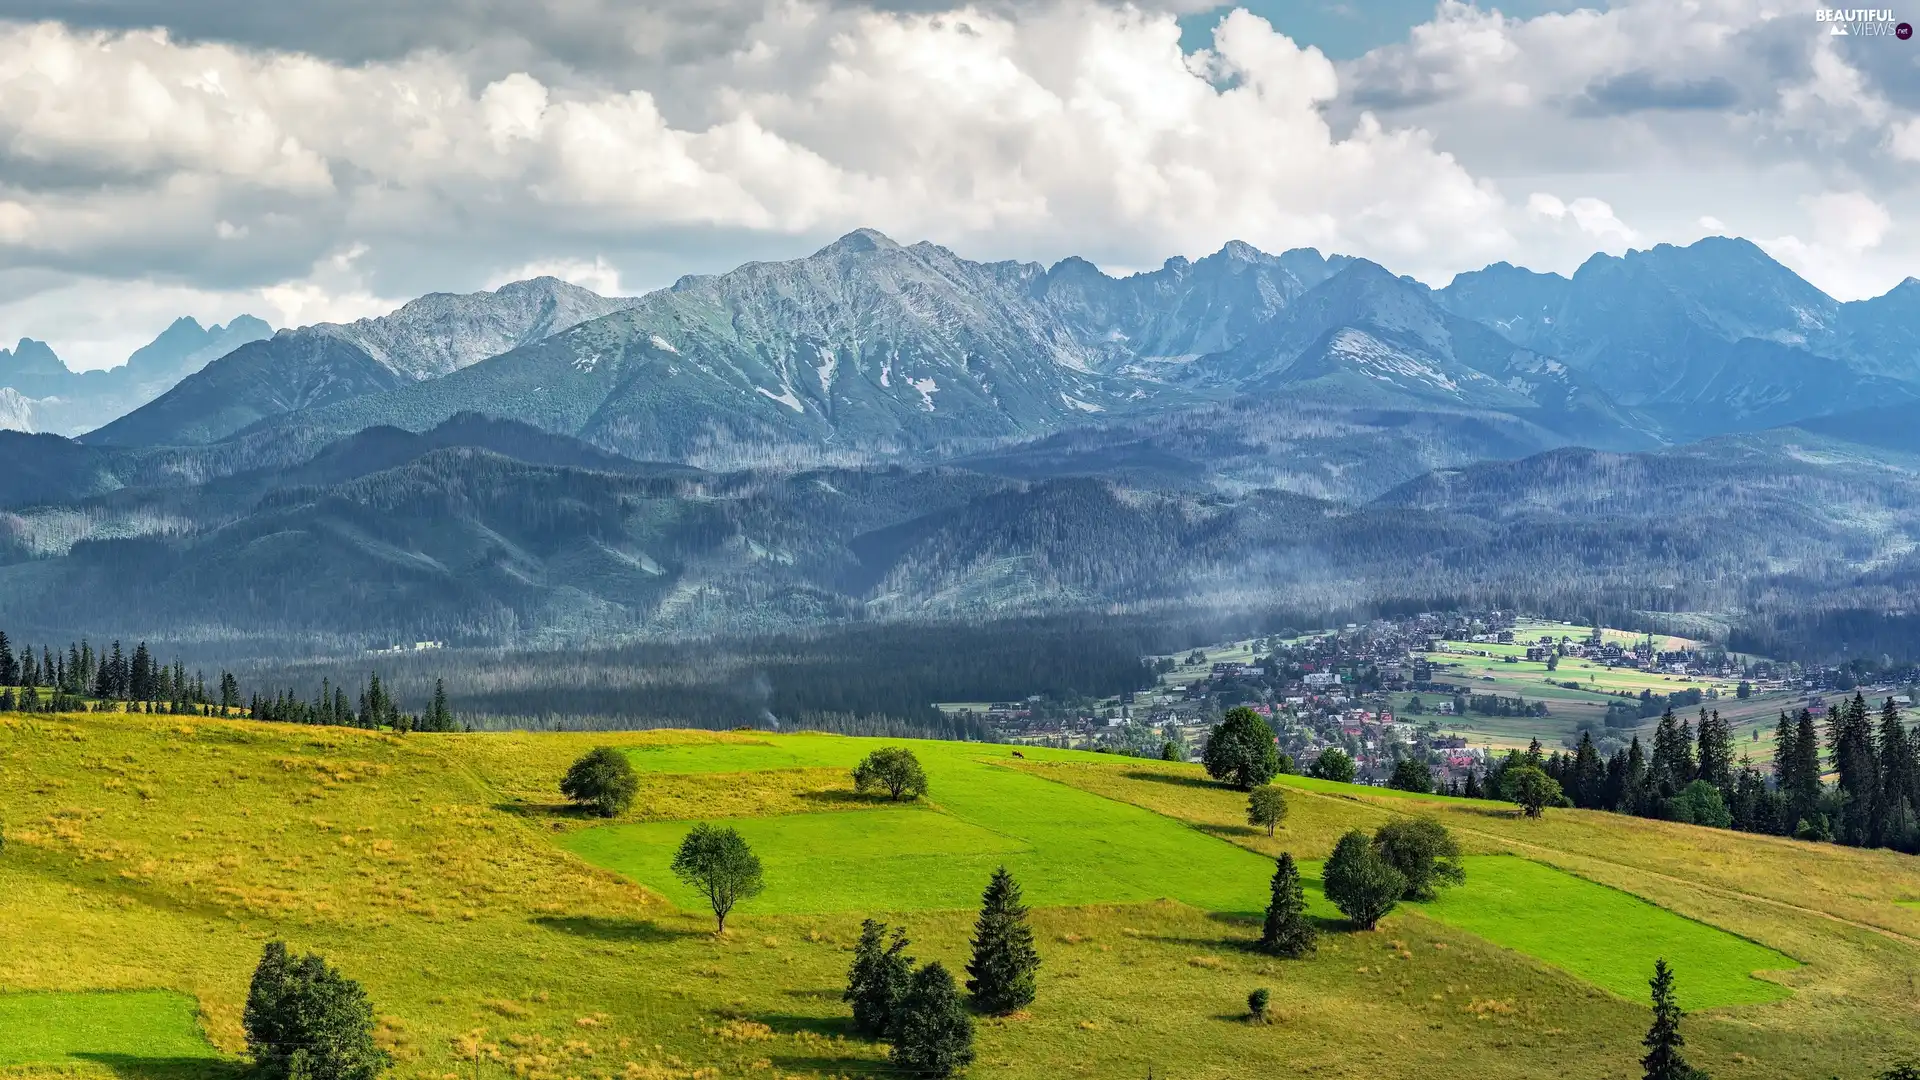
<point>77,679</point>
<point>884,678</point>
<point>1690,775</point>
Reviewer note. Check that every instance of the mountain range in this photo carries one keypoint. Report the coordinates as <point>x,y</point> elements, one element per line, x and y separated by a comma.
<point>39,393</point>
<point>882,431</point>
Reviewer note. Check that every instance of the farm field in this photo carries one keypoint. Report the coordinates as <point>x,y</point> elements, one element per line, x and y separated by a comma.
<point>145,854</point>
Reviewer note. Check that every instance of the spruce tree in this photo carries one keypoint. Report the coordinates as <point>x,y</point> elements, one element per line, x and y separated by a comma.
<point>1663,1041</point>
<point>1635,796</point>
<point>9,666</point>
<point>1287,931</point>
<point>1716,751</point>
<point>1001,974</point>
<point>1587,776</point>
<point>932,1033</point>
<point>1897,824</point>
<point>1850,737</point>
<point>878,978</point>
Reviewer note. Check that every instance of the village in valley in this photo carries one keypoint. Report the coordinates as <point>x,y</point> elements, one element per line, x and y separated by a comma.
<point>1448,689</point>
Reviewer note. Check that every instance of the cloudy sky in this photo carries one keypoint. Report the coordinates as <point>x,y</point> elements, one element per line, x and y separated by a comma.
<point>327,160</point>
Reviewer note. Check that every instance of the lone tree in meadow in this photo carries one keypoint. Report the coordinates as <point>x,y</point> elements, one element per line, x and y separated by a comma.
<point>893,768</point>
<point>718,862</point>
<point>1287,932</point>
<point>1411,775</point>
<point>932,1033</point>
<point>1257,1004</point>
<point>1424,852</point>
<point>1663,1041</point>
<point>1334,764</point>
<point>1266,806</point>
<point>1531,788</point>
<point>1240,750</point>
<point>1001,974</point>
<point>1359,882</point>
<point>306,1021</point>
<point>878,979</point>
<point>602,780</point>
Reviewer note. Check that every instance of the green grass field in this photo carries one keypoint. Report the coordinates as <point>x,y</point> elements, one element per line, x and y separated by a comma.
<point>1604,935</point>
<point>156,1027</point>
<point>149,854</point>
<point>898,859</point>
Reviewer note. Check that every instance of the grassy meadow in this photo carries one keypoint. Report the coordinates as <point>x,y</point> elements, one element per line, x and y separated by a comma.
<point>499,933</point>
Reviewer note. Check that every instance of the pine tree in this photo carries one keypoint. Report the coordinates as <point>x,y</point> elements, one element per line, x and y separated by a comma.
<point>1803,778</point>
<point>1589,776</point>
<point>1672,766</point>
<point>1897,824</point>
<point>1850,738</point>
<point>439,716</point>
<point>1287,931</point>
<point>1663,1041</point>
<point>1716,751</point>
<point>1472,789</point>
<point>1001,975</point>
<point>9,666</point>
<point>932,1033</point>
<point>1635,796</point>
<point>878,978</point>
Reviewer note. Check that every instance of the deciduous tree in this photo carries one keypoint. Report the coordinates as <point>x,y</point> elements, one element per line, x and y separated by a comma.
<point>306,1021</point>
<point>1424,852</point>
<point>1266,808</point>
<point>893,768</point>
<point>1359,882</point>
<point>1241,751</point>
<point>718,862</point>
<point>602,780</point>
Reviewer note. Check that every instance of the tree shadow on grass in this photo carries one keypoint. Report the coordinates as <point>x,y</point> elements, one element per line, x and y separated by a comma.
<point>1240,932</point>
<point>1178,781</point>
<point>822,1065</point>
<point>850,800</point>
<point>637,931</point>
<point>1504,813</point>
<point>541,811</point>
<point>139,1067</point>
<point>830,1027</point>
<point>1227,832</point>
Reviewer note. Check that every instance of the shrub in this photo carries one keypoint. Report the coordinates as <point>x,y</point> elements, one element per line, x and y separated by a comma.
<point>1240,750</point>
<point>1257,1005</point>
<point>306,1021</point>
<point>1334,764</point>
<point>1266,806</point>
<point>893,768</point>
<point>932,1033</point>
<point>1359,882</point>
<point>602,780</point>
<point>718,862</point>
<point>1699,803</point>
<point>1424,852</point>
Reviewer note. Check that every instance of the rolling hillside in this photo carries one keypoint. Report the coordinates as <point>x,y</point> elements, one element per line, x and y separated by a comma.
<point>147,859</point>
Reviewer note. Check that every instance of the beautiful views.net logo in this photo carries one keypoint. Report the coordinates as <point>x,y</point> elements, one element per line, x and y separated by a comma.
<point>1864,22</point>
